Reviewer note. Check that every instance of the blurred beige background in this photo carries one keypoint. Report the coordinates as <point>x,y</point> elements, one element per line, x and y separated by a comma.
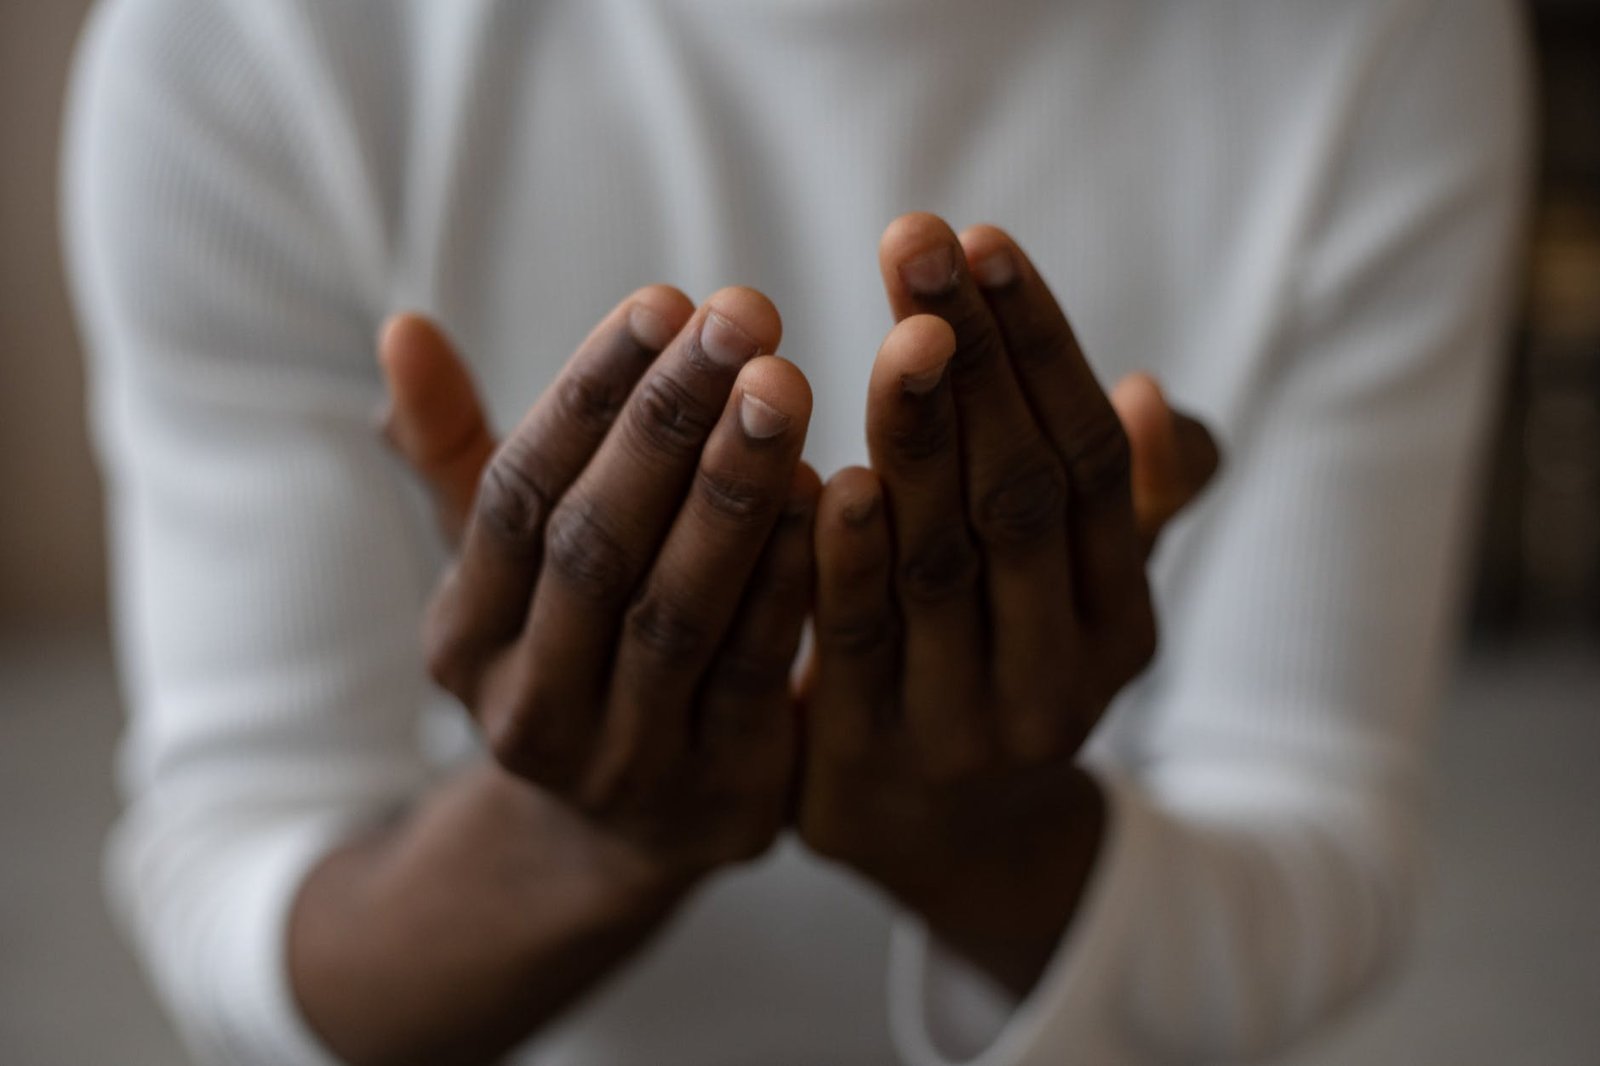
<point>1507,966</point>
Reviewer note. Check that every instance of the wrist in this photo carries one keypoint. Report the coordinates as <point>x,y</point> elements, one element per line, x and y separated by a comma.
<point>456,932</point>
<point>597,877</point>
<point>1007,907</point>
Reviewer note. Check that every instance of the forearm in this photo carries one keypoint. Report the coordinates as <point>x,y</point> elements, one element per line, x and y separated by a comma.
<point>458,932</point>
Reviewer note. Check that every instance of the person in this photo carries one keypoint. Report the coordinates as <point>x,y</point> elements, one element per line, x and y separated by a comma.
<point>653,847</point>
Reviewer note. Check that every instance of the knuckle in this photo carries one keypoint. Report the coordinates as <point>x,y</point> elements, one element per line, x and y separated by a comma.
<point>944,567</point>
<point>1098,456</point>
<point>739,501</point>
<point>1025,506</point>
<point>589,402</point>
<point>586,554</point>
<point>670,420</point>
<point>512,500</point>
<point>931,433</point>
<point>854,635</point>
<point>667,628</point>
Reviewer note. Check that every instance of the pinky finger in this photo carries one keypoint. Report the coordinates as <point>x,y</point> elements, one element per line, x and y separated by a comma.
<point>854,682</point>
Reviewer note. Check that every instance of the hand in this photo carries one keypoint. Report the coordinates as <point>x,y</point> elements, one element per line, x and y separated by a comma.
<point>436,422</point>
<point>981,598</point>
<point>634,570</point>
<point>435,410</point>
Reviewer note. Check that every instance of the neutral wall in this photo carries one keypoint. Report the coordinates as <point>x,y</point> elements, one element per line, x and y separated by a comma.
<point>51,566</point>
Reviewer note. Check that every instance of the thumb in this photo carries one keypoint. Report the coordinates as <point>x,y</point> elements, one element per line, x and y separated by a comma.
<point>434,420</point>
<point>1174,455</point>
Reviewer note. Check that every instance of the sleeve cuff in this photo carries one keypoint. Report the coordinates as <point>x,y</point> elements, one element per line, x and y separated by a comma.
<point>255,949</point>
<point>944,1012</point>
<point>220,961</point>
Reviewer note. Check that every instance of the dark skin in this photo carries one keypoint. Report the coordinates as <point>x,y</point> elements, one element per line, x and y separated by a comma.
<point>633,572</point>
<point>981,598</point>
<point>631,585</point>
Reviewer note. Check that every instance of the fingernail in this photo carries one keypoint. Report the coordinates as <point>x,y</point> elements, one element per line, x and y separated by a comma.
<point>648,327</point>
<point>996,270</point>
<point>923,381</point>
<point>930,274</point>
<point>858,513</point>
<point>725,342</point>
<point>761,420</point>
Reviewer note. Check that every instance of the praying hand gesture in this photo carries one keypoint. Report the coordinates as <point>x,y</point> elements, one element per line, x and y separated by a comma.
<point>637,558</point>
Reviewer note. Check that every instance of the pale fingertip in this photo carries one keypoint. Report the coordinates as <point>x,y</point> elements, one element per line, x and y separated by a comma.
<point>993,258</point>
<point>759,419</point>
<point>391,338</point>
<point>854,496</point>
<point>932,273</point>
<point>648,327</point>
<point>995,270</point>
<point>739,323</point>
<point>918,352</point>
<point>920,250</point>
<point>923,382</point>
<point>1142,381</point>
<point>863,511</point>
<point>778,382</point>
<point>1140,403</point>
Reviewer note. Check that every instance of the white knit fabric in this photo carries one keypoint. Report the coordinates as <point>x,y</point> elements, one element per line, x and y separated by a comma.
<point>1299,214</point>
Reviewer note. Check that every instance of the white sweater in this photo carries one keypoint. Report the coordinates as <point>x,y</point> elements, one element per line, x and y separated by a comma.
<point>1300,215</point>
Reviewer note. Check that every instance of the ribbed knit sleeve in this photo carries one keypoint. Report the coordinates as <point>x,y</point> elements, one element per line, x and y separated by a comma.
<point>269,565</point>
<point>1265,841</point>
<point>250,183</point>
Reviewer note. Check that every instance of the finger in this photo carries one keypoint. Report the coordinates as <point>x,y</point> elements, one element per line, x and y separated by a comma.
<point>484,599</point>
<point>682,613</point>
<point>853,687</point>
<point>1174,456</point>
<point>1016,494</point>
<point>745,712</point>
<point>604,534</point>
<point>434,418</point>
<point>1078,419</point>
<point>1014,486</point>
<point>914,441</point>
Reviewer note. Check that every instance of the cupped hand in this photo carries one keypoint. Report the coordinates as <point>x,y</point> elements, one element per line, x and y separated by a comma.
<point>981,598</point>
<point>980,594</point>
<point>633,572</point>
